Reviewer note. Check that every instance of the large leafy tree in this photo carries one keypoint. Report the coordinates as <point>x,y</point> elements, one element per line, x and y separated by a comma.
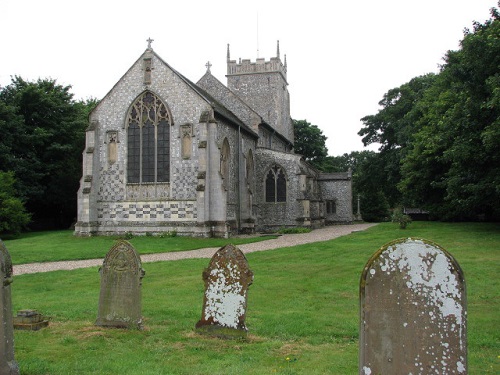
<point>453,165</point>
<point>440,134</point>
<point>310,142</point>
<point>42,131</point>
<point>393,128</point>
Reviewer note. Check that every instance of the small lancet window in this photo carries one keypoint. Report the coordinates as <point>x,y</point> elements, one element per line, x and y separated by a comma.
<point>147,70</point>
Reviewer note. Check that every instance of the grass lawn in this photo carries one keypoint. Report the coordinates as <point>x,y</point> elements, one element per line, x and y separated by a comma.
<point>53,246</point>
<point>302,313</point>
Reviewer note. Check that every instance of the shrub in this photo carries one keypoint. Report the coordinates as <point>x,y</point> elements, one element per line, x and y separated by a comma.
<point>294,230</point>
<point>399,217</point>
<point>13,216</point>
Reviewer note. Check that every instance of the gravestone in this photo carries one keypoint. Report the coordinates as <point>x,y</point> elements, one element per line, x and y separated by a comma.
<point>413,311</point>
<point>226,279</point>
<point>8,365</point>
<point>120,300</point>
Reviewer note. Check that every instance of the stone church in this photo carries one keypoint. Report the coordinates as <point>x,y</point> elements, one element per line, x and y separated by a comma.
<point>164,154</point>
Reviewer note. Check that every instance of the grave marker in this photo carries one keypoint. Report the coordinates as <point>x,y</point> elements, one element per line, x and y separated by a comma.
<point>413,311</point>
<point>8,364</point>
<point>120,299</point>
<point>227,279</point>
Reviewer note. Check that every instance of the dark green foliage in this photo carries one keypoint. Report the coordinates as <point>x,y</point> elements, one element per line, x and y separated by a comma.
<point>440,134</point>
<point>399,217</point>
<point>13,216</point>
<point>310,142</point>
<point>294,230</point>
<point>42,141</point>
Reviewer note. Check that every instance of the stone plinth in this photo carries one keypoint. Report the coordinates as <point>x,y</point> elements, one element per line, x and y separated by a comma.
<point>29,320</point>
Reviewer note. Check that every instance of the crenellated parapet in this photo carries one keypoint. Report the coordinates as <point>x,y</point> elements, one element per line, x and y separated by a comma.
<point>246,66</point>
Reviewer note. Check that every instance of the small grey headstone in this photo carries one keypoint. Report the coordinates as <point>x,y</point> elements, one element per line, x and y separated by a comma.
<point>413,311</point>
<point>227,279</point>
<point>120,300</point>
<point>8,364</point>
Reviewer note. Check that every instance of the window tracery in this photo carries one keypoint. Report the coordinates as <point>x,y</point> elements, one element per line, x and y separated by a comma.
<point>148,140</point>
<point>276,185</point>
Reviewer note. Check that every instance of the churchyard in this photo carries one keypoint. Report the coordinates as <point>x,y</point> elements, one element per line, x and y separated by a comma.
<point>302,315</point>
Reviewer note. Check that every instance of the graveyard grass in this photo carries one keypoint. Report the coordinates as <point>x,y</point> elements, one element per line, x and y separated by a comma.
<point>303,311</point>
<point>35,247</point>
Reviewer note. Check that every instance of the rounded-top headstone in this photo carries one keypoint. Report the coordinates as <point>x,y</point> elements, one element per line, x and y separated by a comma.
<point>120,299</point>
<point>413,311</point>
<point>227,279</point>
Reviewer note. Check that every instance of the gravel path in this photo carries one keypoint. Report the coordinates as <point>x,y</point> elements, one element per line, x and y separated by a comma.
<point>323,234</point>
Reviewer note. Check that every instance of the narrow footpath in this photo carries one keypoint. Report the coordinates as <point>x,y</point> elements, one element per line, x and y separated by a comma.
<point>286,240</point>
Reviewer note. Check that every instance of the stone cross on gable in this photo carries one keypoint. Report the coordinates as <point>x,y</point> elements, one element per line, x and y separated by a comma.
<point>149,40</point>
<point>208,66</point>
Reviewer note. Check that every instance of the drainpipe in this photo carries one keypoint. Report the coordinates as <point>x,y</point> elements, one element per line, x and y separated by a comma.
<point>238,211</point>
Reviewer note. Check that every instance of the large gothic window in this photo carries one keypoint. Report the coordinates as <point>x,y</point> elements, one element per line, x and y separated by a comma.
<point>276,185</point>
<point>148,140</point>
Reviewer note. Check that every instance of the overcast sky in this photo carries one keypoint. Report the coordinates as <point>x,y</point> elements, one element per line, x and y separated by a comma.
<point>342,55</point>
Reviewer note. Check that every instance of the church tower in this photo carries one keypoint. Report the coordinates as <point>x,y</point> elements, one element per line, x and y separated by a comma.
<point>263,86</point>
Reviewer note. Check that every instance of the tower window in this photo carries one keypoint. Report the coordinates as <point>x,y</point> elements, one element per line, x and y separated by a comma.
<point>276,185</point>
<point>148,140</point>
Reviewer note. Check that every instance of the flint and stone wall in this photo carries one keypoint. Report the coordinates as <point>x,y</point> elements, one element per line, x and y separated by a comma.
<point>198,200</point>
<point>337,187</point>
<point>107,203</point>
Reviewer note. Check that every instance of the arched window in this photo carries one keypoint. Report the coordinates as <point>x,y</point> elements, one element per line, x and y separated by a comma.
<point>148,140</point>
<point>276,185</point>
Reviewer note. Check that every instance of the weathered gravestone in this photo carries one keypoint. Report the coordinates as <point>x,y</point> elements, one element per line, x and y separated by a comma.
<point>227,279</point>
<point>413,311</point>
<point>8,365</point>
<point>120,300</point>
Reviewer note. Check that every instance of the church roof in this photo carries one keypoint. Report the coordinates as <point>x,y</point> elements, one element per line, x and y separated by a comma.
<point>209,77</point>
<point>218,107</point>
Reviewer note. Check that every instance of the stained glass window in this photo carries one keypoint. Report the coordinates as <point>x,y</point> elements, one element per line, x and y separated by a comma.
<point>148,140</point>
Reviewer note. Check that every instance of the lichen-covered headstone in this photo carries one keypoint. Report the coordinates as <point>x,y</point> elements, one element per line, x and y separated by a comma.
<point>413,311</point>
<point>120,300</point>
<point>227,279</point>
<point>8,364</point>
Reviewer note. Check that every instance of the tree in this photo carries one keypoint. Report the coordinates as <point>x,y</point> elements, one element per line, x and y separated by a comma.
<point>42,140</point>
<point>310,142</point>
<point>440,133</point>
<point>456,152</point>
<point>393,128</point>
<point>13,216</point>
